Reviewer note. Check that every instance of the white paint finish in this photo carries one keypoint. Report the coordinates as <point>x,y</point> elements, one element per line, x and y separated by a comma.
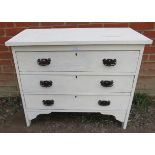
<point>133,88</point>
<point>78,36</point>
<point>28,121</point>
<point>84,87</point>
<point>67,48</point>
<point>77,73</point>
<point>88,94</point>
<point>77,102</point>
<point>72,84</point>
<point>79,61</point>
<point>119,115</point>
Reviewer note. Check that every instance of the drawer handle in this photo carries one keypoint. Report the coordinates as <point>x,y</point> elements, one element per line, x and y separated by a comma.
<point>48,102</point>
<point>109,62</point>
<point>103,103</point>
<point>107,83</point>
<point>44,62</point>
<point>46,83</point>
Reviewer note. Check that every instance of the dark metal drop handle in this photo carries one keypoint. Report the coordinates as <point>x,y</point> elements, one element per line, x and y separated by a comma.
<point>46,83</point>
<point>44,62</point>
<point>103,103</point>
<point>107,83</point>
<point>48,102</point>
<point>109,62</point>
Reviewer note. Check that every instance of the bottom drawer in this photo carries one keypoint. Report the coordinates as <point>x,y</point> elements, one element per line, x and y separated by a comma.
<point>95,102</point>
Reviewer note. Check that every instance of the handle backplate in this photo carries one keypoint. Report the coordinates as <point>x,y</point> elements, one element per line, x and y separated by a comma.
<point>44,62</point>
<point>46,83</point>
<point>103,103</point>
<point>109,62</point>
<point>107,83</point>
<point>48,102</point>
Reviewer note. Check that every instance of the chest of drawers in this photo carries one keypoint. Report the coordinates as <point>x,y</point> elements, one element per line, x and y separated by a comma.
<point>78,70</point>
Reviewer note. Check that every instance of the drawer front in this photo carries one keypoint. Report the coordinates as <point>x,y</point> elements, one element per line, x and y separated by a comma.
<point>77,102</point>
<point>103,61</point>
<point>70,84</point>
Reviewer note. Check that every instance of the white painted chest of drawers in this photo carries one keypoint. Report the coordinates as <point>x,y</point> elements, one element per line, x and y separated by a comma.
<point>78,70</point>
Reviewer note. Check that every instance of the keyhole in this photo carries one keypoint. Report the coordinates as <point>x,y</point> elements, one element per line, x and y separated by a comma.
<point>76,54</point>
<point>76,77</point>
<point>75,96</point>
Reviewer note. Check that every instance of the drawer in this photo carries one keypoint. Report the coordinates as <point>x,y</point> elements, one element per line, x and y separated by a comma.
<point>76,102</point>
<point>98,61</point>
<point>72,84</point>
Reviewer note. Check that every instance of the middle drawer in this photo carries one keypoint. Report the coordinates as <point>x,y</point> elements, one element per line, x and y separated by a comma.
<point>72,84</point>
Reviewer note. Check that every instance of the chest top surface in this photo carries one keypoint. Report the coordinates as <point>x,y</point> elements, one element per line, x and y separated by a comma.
<point>77,36</point>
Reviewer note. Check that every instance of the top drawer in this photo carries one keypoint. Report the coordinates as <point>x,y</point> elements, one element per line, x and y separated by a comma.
<point>98,61</point>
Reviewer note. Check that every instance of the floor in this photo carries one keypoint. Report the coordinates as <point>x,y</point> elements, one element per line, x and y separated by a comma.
<point>14,122</point>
